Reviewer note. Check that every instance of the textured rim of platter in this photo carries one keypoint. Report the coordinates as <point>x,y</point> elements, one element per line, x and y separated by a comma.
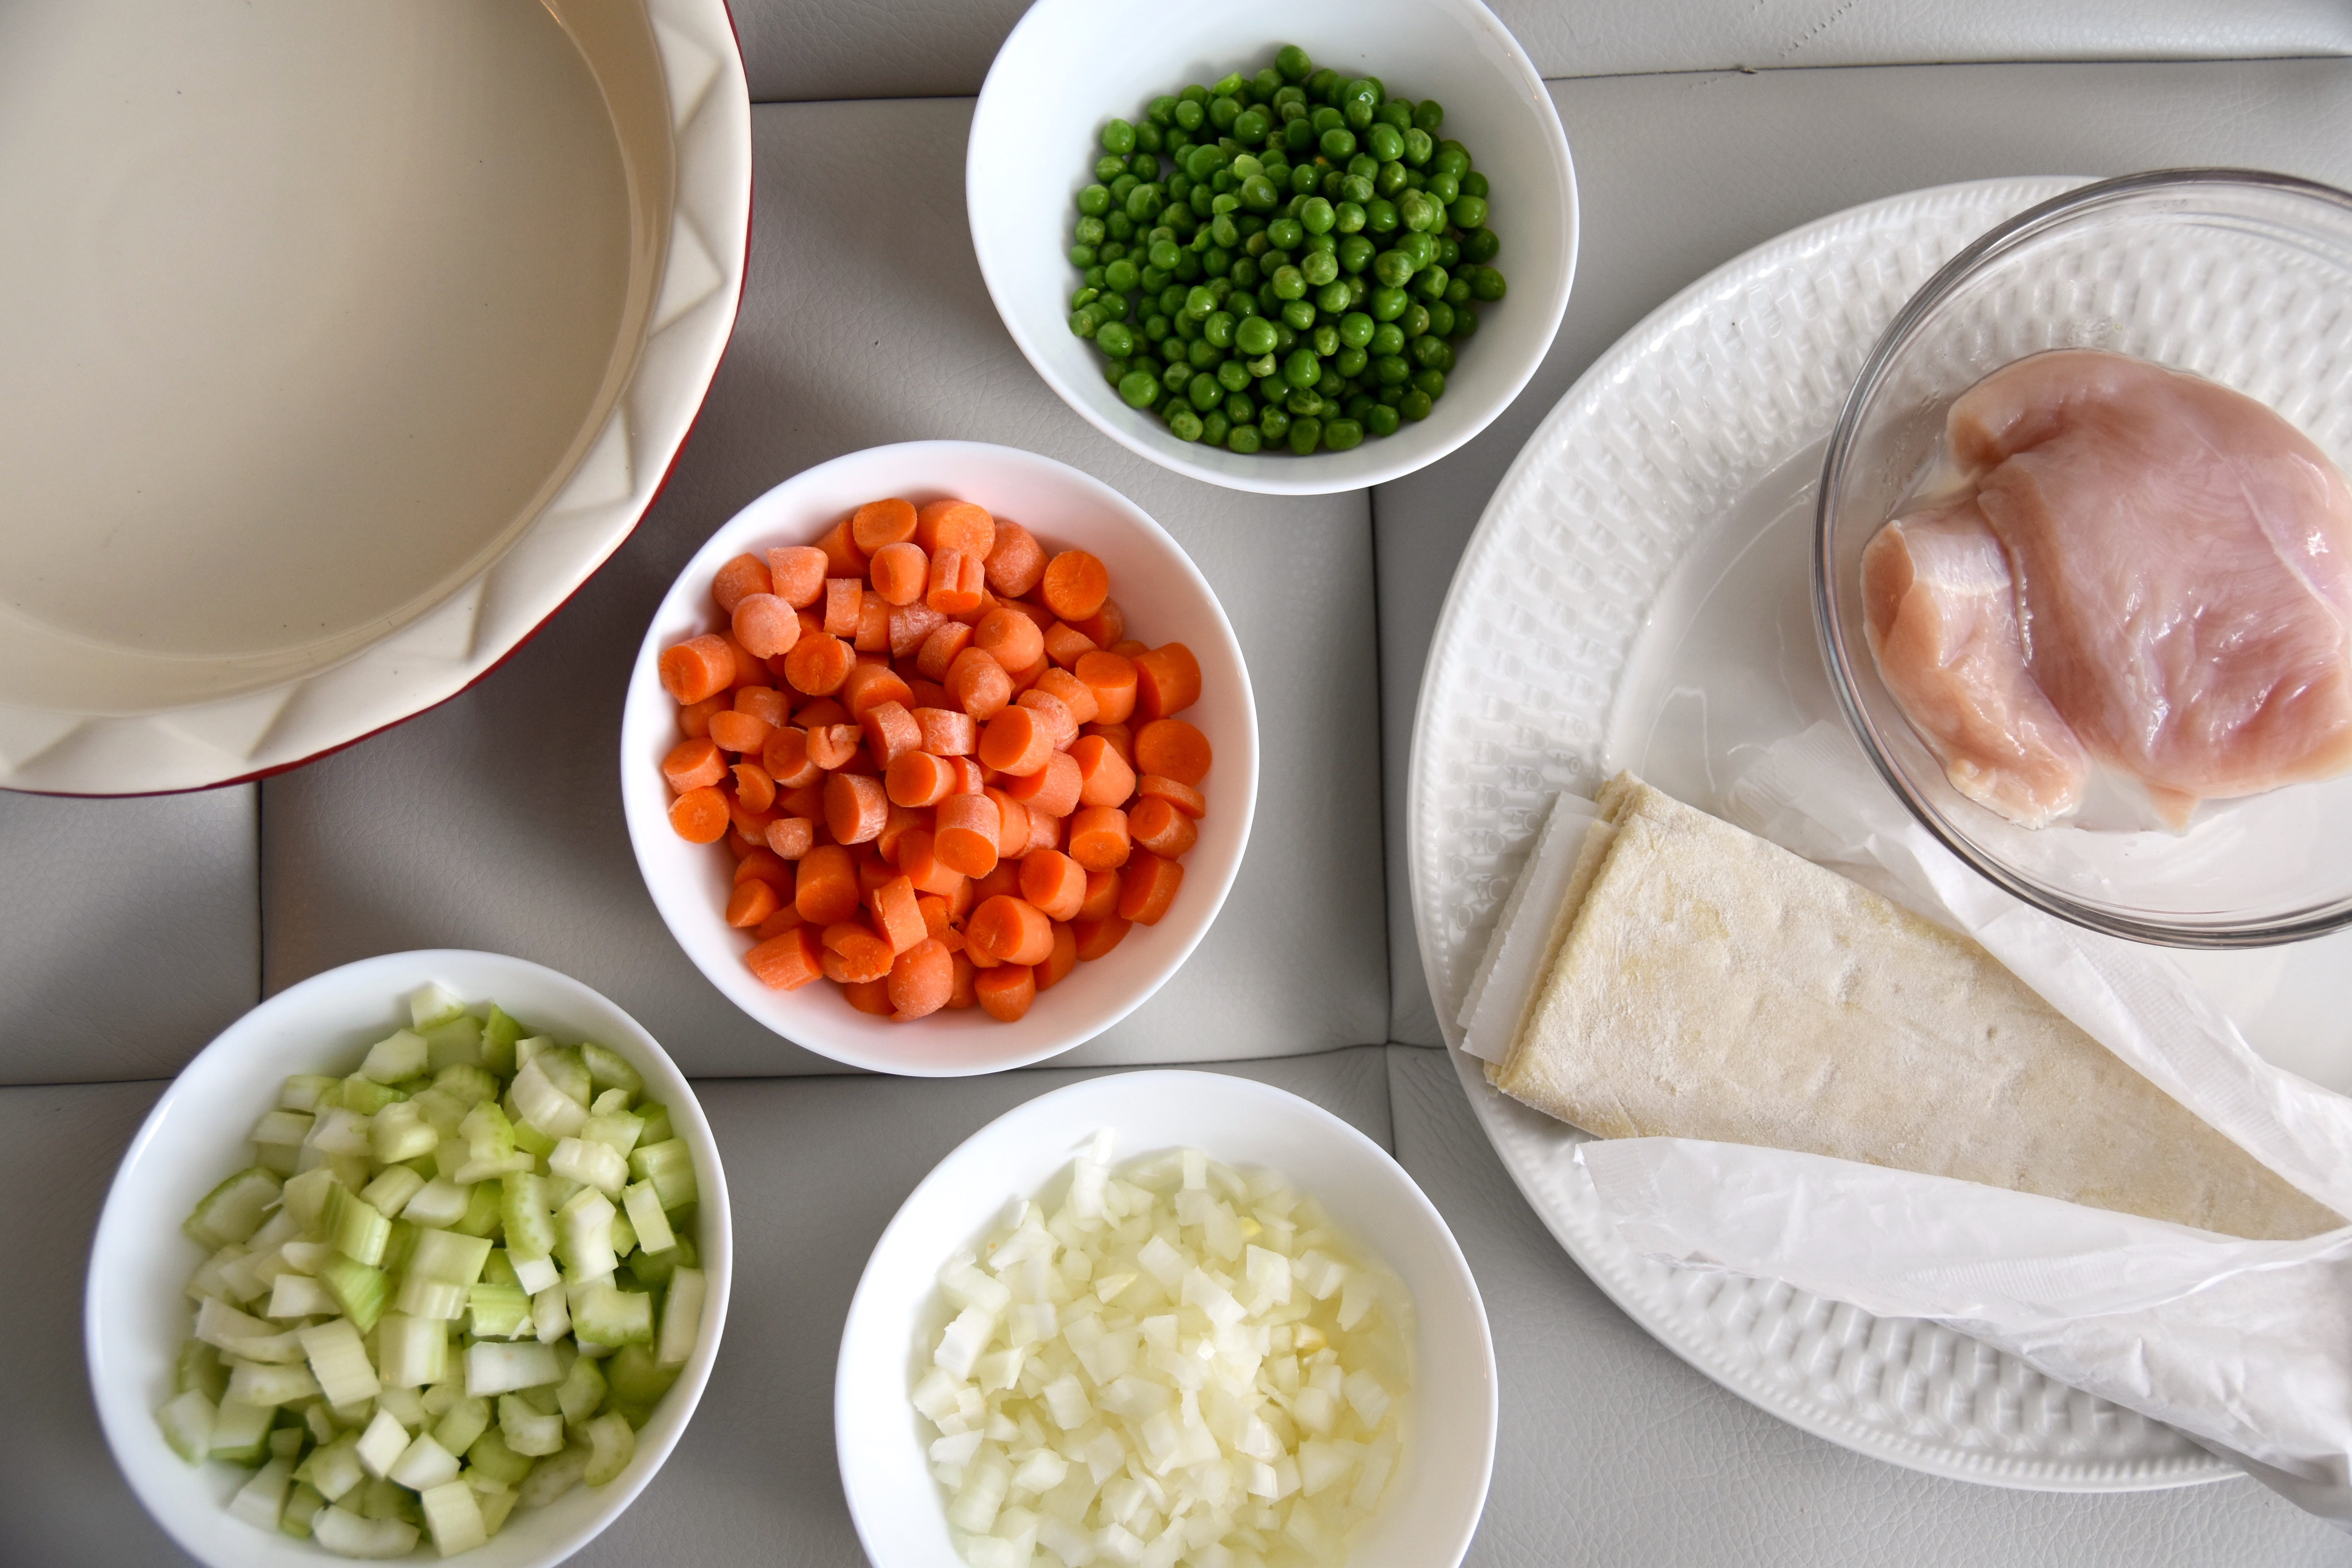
<point>458,640</point>
<point>1665,433</point>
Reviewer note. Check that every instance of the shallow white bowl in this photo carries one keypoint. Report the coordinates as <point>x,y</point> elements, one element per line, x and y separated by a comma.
<point>1071,65</point>
<point>136,1316</point>
<point>1166,600</point>
<point>1434,1503</point>
<point>353,339</point>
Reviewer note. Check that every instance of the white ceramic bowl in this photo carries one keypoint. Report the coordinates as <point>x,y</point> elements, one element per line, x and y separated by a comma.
<point>136,1315</point>
<point>1071,65</point>
<point>1434,1503</point>
<point>359,337</point>
<point>1166,600</point>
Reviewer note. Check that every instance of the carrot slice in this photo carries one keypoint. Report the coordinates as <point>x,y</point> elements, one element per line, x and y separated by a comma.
<point>1010,637</point>
<point>1061,724</point>
<point>1004,882</point>
<point>753,787</point>
<point>955,525</point>
<point>1167,680</point>
<point>918,778</point>
<point>693,719</point>
<point>698,667</point>
<point>922,979</point>
<point>1044,833</point>
<point>700,816</point>
<point>900,573</point>
<point>1097,937</point>
<point>1107,627</point>
<point>785,755</point>
<point>818,664</point>
<point>831,747</point>
<point>1118,737</point>
<point>868,685</point>
<point>979,684</point>
<point>1054,883</point>
<point>911,625</point>
<point>895,914</point>
<point>1017,740</point>
<point>969,776</point>
<point>1102,895</point>
<point>825,889</point>
<point>920,864</point>
<point>791,837</point>
<point>964,992</point>
<point>1015,560</point>
<point>1173,750</point>
<point>1053,790</point>
<point>843,597</point>
<point>1112,680</point>
<point>869,996</point>
<point>873,635</point>
<point>878,524</point>
<point>892,731</point>
<point>1056,966</point>
<point>855,807</point>
<point>1147,887</point>
<point>966,837</point>
<point>1006,992</point>
<point>763,702</point>
<point>947,732</point>
<point>789,961</point>
<point>1011,828</point>
<point>798,572</point>
<point>864,953</point>
<point>1098,838</point>
<point>752,903</point>
<point>733,732</point>
<point>1075,586</point>
<point>1160,827</point>
<point>692,764</point>
<point>765,624</point>
<point>1073,694</point>
<point>1065,645</point>
<point>786,918</point>
<point>941,648</point>
<point>841,556</point>
<point>1103,776</point>
<point>956,583</point>
<point>743,576</point>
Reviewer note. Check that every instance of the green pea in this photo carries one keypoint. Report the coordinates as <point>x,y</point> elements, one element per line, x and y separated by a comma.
<point>1292,62</point>
<point>1119,137</point>
<point>1451,158</point>
<point>1233,376</point>
<point>1355,253</point>
<point>1284,233</point>
<point>1486,284</point>
<point>1323,340</point>
<point>1150,138</point>
<point>1122,185</point>
<point>1082,257</point>
<point>1120,275</point>
<point>1204,392</point>
<point>1415,404</point>
<point>1339,435</point>
<point>1430,282</point>
<point>1092,277</point>
<point>1305,180</point>
<point>1146,202</point>
<point>1162,254</point>
<point>1481,245</point>
<point>1298,315</point>
<point>1188,113</point>
<point>1388,338</point>
<point>1428,115</point>
<point>1084,322</point>
<point>1431,352</point>
<point>1393,268</point>
<point>1391,370</point>
<point>1302,368</point>
<point>1257,193</point>
<point>1150,276</point>
<point>1255,337</point>
<point>1089,230</point>
<point>1202,162</point>
<point>1199,302</point>
<point>1350,363</point>
<point>1467,211</point>
<point>1384,142</point>
<point>1336,297</point>
<point>1289,283</point>
<point>1444,187</point>
<point>1109,167</point>
<point>1440,319</point>
<point>1185,423</point>
<point>1430,382</point>
<point>1244,439</point>
<point>1466,322</point>
<point>1299,136</point>
<point>1139,389</point>
<point>1162,111</point>
<point>1219,329</point>
<point>1381,420</point>
<point>1195,93</point>
<point>1338,142</point>
<point>1215,429</point>
<point>1419,147</point>
<point>1347,218</point>
<point>1356,329</point>
<point>1240,301</point>
<point>1307,402</point>
<point>1415,320</point>
<point>1357,188</point>
<point>1381,216</point>
<point>1421,248</point>
<point>1274,422</point>
<point>1449,253</point>
<point>1251,125</point>
<point>1390,180</point>
<point>1416,211</point>
<point>1223,112</point>
<point>1114,339</point>
<point>1385,304</point>
<point>1268,383</point>
<point>1094,200</point>
<point>1319,267</point>
<point>1315,216</point>
<point>1474,185</point>
<point>1114,371</point>
<point>1304,434</point>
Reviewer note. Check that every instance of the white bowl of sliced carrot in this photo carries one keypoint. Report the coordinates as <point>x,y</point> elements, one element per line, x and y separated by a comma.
<point>940,758</point>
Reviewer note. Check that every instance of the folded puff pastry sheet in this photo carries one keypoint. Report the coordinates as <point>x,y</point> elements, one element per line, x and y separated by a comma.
<point>1707,984</point>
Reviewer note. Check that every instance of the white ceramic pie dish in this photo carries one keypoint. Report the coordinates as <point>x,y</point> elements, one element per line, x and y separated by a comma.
<point>352,341</point>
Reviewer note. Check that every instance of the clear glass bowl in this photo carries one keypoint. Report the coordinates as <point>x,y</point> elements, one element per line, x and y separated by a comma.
<point>2240,277</point>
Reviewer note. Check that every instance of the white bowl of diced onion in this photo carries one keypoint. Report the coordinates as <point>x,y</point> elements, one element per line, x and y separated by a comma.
<point>140,1312</point>
<point>1429,1392</point>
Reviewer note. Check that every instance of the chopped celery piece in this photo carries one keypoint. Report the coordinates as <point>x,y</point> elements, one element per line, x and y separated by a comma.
<point>407,1406</point>
<point>445,1114</point>
<point>523,1211</point>
<point>586,1223</point>
<point>399,1054</point>
<point>643,1204</point>
<point>497,1312</point>
<point>187,1422</point>
<point>220,1324</point>
<point>454,1516</point>
<point>282,1127</point>
<point>550,1313</point>
<point>260,1500</point>
<point>381,1445</point>
<point>343,1131</point>
<point>452,1042</point>
<point>307,1091</point>
<point>440,1203</point>
<point>492,1457</point>
<point>466,1083</point>
<point>534,1274</point>
<point>211,1277</point>
<point>234,1210</point>
<point>399,1131</point>
<point>494,1368</point>
<point>500,1034</point>
<point>423,1465</point>
<point>604,1314</point>
<point>533,1141</point>
<point>656,1121</point>
<point>669,1166</point>
<point>396,1250</point>
<point>528,1431</point>
<point>597,1165</point>
<point>270,1384</point>
<point>432,1003</point>
<point>300,1296</point>
<point>624,1236</point>
<point>357,1227</point>
<point>302,1507</point>
<point>681,1318</point>
<point>318,1421</point>
<point>552,1477</point>
<point>335,1468</point>
<point>467,1420</point>
<point>390,1193</point>
<point>439,1299</point>
<point>383,1497</point>
<point>412,1352</point>
<point>497,1500</point>
<point>582,1391</point>
<point>607,1069</point>
<point>285,1442</point>
<point>449,1255</point>
<point>653,1269</point>
<point>546,1104</point>
<point>619,1132</point>
<point>199,1368</point>
<point>636,1380</point>
<point>339,1362</point>
<point>613,1442</point>
<point>306,1197</point>
<point>306,1257</point>
<point>500,1270</point>
<point>363,1096</point>
<point>481,1215</point>
<point>241,1433</point>
<point>612,1102</point>
<point>347,1535</point>
<point>362,1291</point>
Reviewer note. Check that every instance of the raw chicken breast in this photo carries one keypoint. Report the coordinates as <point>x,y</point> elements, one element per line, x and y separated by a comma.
<point>2179,562</point>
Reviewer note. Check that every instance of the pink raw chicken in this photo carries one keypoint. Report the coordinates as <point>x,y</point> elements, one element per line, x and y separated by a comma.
<point>2154,571</point>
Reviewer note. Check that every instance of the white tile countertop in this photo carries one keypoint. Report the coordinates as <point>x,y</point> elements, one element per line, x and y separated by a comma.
<point>495,822</point>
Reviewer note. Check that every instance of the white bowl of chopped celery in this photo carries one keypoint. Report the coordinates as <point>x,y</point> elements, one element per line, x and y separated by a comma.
<point>1166,1316</point>
<point>339,1294</point>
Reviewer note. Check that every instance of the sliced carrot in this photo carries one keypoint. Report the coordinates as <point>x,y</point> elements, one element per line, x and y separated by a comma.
<point>1097,937</point>
<point>752,903</point>
<point>922,977</point>
<point>1054,883</point>
<point>1044,833</point>
<point>844,598</point>
<point>818,664</point>
<point>1005,993</point>
<point>895,914</point>
<point>841,556</point>
<point>752,825</point>
<point>789,961</point>
<point>1053,790</point>
<point>692,764</point>
<point>786,918</point>
<point>855,807</point>
<point>1098,838</point>
<point>1112,680</point>
<point>805,800</point>
<point>1011,930</point>
<point>911,626</point>
<point>1073,694</point>
<point>1003,882</point>
<point>693,719</point>
<point>1107,627</point>
<point>743,576</point>
<point>970,778</point>
<point>1065,645</point>
<point>869,996</point>
<point>868,685</point>
<point>1160,827</point>
<point>965,839</point>
<point>1167,680</point>
<point>733,732</point>
<point>956,583</point>
<point>955,525</point>
<point>873,640</point>
<point>791,837</point>
<point>1147,887</point>
<point>872,869</point>
<point>763,703</point>
<point>753,787</point>
<point>1015,560</point>
<point>1075,586</point>
<point>1103,776</point>
<point>940,649</point>
<point>947,732</point>
<point>922,867</point>
<point>881,523</point>
<point>786,757</point>
<point>820,712</point>
<point>900,572</point>
<point>1118,737</point>
<point>798,572</point>
<point>1008,638</point>
<point>765,626</point>
<point>1057,964</point>
<point>902,821</point>
<point>700,816</point>
<point>862,955</point>
<point>1017,740</point>
<point>1012,826</point>
<point>698,667</point>
<point>1173,750</point>
<point>749,671</point>
<point>964,992</point>
<point>890,732</point>
<point>918,778</point>
<point>825,889</point>
<point>1061,724</point>
<point>979,684</point>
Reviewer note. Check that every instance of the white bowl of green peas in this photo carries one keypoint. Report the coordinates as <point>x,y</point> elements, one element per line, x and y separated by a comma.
<point>1285,247</point>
